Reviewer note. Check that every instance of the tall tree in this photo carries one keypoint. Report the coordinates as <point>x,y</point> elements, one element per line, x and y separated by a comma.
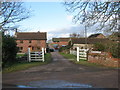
<point>11,13</point>
<point>106,14</point>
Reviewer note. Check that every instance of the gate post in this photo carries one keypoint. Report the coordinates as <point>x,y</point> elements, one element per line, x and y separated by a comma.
<point>43,54</point>
<point>78,54</point>
<point>45,50</point>
<point>29,56</point>
<point>70,51</point>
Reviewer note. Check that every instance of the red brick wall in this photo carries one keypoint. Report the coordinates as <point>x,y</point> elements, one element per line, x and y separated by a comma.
<point>34,43</point>
<point>104,59</point>
<point>61,43</point>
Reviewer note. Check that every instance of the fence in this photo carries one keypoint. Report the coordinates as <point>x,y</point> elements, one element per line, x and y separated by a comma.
<point>36,56</point>
<point>80,53</point>
<point>73,52</point>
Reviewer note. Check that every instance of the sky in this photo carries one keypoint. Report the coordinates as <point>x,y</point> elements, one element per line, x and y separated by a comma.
<point>50,17</point>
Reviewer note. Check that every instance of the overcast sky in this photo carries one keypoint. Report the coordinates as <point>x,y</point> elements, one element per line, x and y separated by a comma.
<point>51,17</point>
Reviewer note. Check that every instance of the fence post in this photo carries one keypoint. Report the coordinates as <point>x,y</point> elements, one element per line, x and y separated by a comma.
<point>45,50</point>
<point>70,50</point>
<point>87,53</point>
<point>43,54</point>
<point>29,56</point>
<point>78,54</point>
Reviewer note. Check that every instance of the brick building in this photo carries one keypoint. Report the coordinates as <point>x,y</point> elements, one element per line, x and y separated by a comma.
<point>33,40</point>
<point>59,42</point>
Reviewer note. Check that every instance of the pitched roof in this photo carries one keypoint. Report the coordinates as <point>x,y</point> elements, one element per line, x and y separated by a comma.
<point>60,39</point>
<point>89,40</point>
<point>31,36</point>
<point>94,35</point>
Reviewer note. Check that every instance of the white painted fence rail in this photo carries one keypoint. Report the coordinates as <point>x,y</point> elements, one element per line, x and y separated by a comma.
<point>36,56</point>
<point>95,52</point>
<point>81,54</point>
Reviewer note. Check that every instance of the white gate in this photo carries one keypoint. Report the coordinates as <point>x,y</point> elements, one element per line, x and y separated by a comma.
<point>73,52</point>
<point>81,54</point>
<point>36,56</point>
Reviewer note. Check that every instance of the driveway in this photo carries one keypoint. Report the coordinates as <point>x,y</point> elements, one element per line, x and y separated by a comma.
<point>63,73</point>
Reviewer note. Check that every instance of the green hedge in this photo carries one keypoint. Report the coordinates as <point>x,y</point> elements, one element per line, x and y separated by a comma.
<point>9,50</point>
<point>112,47</point>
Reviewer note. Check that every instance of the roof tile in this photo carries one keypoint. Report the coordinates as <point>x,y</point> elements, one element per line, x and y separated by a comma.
<point>31,36</point>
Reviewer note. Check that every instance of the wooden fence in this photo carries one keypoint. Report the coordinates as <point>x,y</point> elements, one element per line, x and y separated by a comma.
<point>36,56</point>
<point>73,52</point>
<point>80,53</point>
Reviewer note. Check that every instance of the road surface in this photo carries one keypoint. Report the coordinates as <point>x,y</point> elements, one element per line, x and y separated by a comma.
<point>62,73</point>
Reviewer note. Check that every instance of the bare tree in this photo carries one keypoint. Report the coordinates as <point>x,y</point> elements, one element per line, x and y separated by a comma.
<point>11,13</point>
<point>75,35</point>
<point>105,15</point>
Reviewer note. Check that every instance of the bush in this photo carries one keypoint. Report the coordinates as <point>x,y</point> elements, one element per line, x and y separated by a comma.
<point>61,49</point>
<point>99,47</point>
<point>9,49</point>
<point>115,50</point>
<point>65,48</point>
<point>112,47</point>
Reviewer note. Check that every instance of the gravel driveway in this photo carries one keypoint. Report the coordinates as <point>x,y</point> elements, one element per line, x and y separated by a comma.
<point>62,73</point>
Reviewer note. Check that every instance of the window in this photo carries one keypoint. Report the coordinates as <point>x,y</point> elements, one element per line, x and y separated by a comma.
<point>29,46</point>
<point>30,41</point>
<point>20,48</point>
<point>21,41</point>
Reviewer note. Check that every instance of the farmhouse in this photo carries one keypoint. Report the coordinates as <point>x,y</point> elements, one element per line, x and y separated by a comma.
<point>83,42</point>
<point>33,40</point>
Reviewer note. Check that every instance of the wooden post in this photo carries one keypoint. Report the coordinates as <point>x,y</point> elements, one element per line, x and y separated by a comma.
<point>78,54</point>
<point>87,53</point>
<point>43,54</point>
<point>70,50</point>
<point>29,56</point>
<point>45,50</point>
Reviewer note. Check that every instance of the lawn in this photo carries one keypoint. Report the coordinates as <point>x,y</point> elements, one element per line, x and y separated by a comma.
<point>73,59</point>
<point>20,55</point>
<point>25,65</point>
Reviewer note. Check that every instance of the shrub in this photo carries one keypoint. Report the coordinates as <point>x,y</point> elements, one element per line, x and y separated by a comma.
<point>9,49</point>
<point>112,47</point>
<point>115,50</point>
<point>61,49</point>
<point>99,46</point>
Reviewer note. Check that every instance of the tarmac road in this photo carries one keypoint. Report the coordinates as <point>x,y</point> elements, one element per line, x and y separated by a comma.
<point>62,73</point>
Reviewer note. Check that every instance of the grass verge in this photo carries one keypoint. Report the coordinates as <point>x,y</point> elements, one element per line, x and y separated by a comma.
<point>25,65</point>
<point>73,59</point>
<point>20,55</point>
